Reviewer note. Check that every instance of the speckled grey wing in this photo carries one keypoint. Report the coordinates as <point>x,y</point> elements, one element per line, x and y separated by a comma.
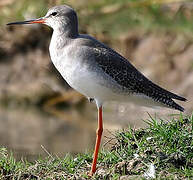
<point>131,80</point>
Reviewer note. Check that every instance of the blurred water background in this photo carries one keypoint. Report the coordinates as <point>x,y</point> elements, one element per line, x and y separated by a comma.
<point>39,112</point>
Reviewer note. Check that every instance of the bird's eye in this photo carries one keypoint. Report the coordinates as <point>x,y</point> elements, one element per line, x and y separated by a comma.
<point>54,14</point>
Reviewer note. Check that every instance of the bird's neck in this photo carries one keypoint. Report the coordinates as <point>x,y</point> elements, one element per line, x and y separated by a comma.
<point>62,38</point>
<point>68,30</point>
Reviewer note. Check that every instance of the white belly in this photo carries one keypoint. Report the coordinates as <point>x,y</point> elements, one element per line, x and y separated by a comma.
<point>81,79</point>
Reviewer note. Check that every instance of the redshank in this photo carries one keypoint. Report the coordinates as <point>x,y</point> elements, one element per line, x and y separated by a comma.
<point>97,71</point>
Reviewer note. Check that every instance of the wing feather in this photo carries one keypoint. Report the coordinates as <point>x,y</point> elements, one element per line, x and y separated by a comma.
<point>130,79</point>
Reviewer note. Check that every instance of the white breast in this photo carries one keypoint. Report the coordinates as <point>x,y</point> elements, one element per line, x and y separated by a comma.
<point>81,79</point>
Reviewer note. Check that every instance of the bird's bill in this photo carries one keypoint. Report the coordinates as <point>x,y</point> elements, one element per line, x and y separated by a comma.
<point>33,21</point>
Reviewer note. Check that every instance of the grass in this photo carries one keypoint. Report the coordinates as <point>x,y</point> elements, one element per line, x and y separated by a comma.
<point>123,16</point>
<point>166,145</point>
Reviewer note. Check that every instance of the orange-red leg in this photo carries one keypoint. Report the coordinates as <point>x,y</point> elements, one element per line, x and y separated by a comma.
<point>98,140</point>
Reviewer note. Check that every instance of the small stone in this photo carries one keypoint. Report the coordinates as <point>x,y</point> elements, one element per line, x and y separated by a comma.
<point>120,167</point>
<point>124,177</point>
<point>101,172</point>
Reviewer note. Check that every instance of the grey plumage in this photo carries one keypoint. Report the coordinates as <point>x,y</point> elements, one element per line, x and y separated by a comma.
<point>131,80</point>
<point>110,62</point>
<point>126,75</point>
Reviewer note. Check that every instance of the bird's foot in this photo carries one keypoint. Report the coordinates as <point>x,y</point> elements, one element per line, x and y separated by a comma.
<point>90,174</point>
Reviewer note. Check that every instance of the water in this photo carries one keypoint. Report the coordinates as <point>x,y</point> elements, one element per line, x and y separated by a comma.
<point>28,131</point>
<point>31,131</point>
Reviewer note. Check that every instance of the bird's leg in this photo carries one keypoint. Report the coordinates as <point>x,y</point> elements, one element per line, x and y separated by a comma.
<point>98,140</point>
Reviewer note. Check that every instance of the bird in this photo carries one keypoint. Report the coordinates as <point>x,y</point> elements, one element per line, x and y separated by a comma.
<point>96,70</point>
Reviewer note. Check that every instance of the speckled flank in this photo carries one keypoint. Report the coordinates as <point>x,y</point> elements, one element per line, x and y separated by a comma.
<point>131,80</point>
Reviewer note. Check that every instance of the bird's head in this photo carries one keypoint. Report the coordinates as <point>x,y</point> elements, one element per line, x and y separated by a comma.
<point>57,17</point>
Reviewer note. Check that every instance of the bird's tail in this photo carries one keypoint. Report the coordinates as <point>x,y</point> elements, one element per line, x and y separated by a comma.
<point>175,96</point>
<point>166,97</point>
<point>176,106</point>
<point>167,100</point>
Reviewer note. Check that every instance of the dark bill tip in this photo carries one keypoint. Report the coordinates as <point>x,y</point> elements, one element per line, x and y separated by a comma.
<point>33,21</point>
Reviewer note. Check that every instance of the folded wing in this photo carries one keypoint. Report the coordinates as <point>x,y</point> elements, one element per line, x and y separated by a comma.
<point>131,80</point>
